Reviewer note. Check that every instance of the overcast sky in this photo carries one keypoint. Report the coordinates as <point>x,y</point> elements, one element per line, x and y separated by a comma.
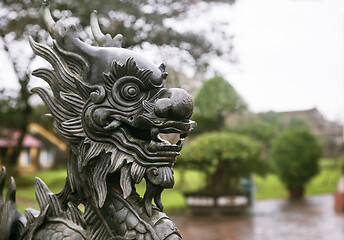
<point>291,55</point>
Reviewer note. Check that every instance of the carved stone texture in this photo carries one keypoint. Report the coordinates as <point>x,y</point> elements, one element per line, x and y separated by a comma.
<point>12,221</point>
<point>110,104</point>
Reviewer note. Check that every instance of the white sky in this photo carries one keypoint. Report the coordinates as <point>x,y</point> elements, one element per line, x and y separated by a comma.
<point>291,55</point>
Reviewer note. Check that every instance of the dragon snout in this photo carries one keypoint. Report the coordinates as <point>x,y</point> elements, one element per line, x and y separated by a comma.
<point>178,105</point>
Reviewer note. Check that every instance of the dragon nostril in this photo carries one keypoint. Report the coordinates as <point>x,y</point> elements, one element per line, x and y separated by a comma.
<point>162,107</point>
<point>182,104</point>
<point>178,105</point>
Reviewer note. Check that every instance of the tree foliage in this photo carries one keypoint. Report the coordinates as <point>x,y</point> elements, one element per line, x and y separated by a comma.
<point>296,153</point>
<point>277,120</point>
<point>260,130</point>
<point>224,158</point>
<point>10,116</point>
<point>139,22</point>
<point>215,100</point>
<point>11,113</point>
<point>21,108</point>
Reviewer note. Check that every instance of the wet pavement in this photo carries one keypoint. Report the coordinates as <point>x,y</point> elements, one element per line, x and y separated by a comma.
<point>275,219</point>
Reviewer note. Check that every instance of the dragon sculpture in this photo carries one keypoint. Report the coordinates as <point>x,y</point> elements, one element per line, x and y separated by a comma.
<point>110,104</point>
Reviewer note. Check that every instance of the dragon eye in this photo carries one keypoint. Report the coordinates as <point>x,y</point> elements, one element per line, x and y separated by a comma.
<point>130,92</point>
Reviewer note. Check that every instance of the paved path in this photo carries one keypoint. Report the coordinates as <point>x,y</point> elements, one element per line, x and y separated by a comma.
<point>276,219</point>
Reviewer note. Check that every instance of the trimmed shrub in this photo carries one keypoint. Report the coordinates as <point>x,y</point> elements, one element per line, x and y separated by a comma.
<point>296,153</point>
<point>224,157</point>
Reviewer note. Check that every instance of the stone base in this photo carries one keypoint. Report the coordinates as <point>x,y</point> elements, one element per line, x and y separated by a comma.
<point>222,204</point>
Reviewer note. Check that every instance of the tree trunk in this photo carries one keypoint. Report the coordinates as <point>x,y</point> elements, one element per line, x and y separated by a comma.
<point>26,110</point>
<point>296,193</point>
<point>11,164</point>
<point>222,181</point>
<point>26,113</point>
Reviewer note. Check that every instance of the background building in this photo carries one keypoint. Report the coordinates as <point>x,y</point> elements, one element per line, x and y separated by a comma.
<point>41,149</point>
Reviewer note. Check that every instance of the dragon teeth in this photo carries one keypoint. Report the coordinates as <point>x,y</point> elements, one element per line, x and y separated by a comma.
<point>154,132</point>
<point>163,140</point>
<point>179,143</point>
<point>184,135</point>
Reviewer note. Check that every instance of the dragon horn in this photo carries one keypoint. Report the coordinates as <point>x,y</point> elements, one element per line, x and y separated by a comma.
<point>103,40</point>
<point>48,20</point>
<point>97,33</point>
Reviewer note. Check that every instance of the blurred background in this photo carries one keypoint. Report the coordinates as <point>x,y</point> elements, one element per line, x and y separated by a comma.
<point>266,160</point>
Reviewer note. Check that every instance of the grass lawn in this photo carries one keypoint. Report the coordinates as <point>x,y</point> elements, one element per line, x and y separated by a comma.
<point>173,199</point>
<point>25,194</point>
<point>325,182</point>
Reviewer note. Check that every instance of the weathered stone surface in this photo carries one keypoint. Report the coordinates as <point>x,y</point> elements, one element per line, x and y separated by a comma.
<point>110,104</point>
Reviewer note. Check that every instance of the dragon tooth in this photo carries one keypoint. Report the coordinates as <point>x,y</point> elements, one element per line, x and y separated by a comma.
<point>154,132</point>
<point>179,143</point>
<point>183,135</point>
<point>163,140</point>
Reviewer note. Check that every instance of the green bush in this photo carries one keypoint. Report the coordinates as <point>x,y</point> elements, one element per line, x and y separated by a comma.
<point>214,101</point>
<point>296,153</point>
<point>260,130</point>
<point>224,157</point>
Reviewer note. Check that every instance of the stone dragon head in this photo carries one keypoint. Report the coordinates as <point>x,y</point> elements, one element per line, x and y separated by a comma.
<point>110,104</point>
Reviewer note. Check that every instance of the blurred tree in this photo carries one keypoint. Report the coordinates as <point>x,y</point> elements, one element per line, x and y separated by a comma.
<point>39,116</point>
<point>297,122</point>
<point>139,21</point>
<point>215,100</point>
<point>11,113</point>
<point>262,131</point>
<point>276,119</point>
<point>16,113</point>
<point>21,108</point>
<point>272,118</point>
<point>296,153</point>
<point>225,158</point>
<point>9,110</point>
<point>265,128</point>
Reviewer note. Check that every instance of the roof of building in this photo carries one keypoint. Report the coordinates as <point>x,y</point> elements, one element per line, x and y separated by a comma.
<point>10,138</point>
<point>36,137</point>
<point>35,128</point>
